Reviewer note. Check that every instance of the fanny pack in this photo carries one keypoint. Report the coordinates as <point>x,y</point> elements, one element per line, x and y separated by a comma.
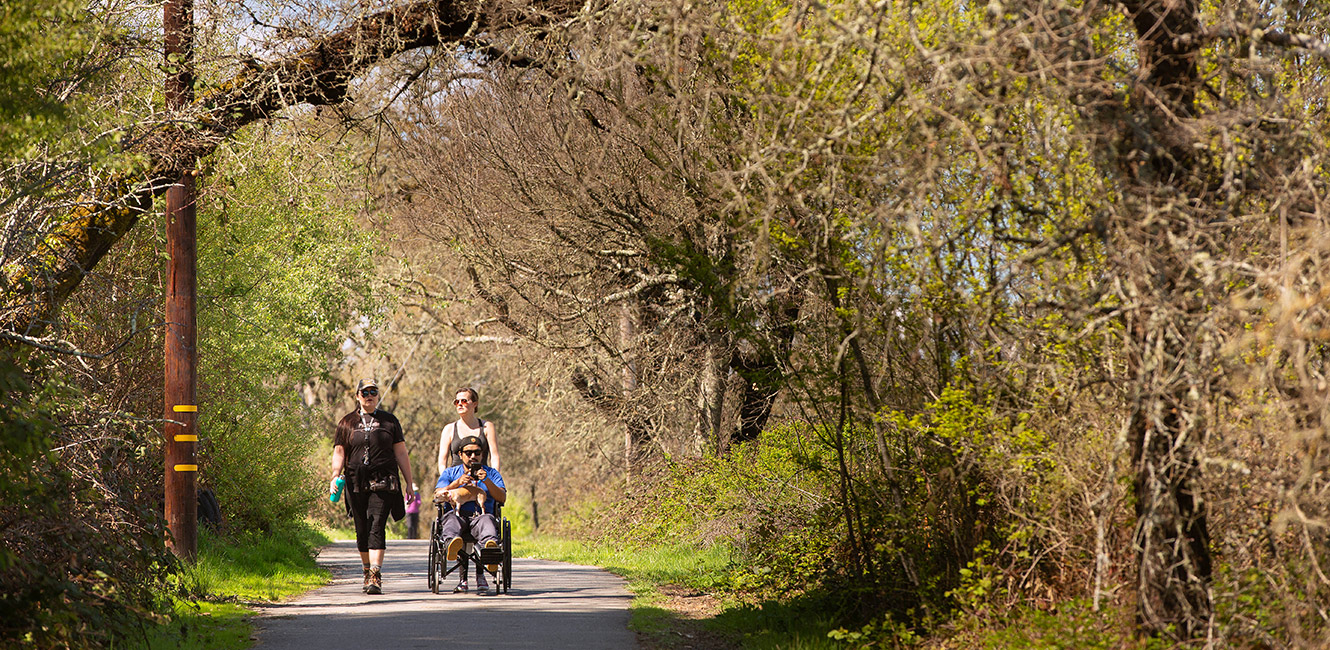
<point>389,483</point>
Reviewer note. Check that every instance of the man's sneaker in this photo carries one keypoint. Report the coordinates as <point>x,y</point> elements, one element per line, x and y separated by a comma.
<point>365,587</point>
<point>455,545</point>
<point>461,587</point>
<point>489,543</point>
<point>375,582</point>
<point>482,587</point>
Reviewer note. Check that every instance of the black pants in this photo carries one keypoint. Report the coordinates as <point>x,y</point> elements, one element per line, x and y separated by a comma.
<point>413,525</point>
<point>369,511</point>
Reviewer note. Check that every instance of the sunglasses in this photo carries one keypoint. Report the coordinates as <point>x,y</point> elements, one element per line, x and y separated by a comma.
<point>370,392</point>
<point>470,452</point>
<point>459,402</point>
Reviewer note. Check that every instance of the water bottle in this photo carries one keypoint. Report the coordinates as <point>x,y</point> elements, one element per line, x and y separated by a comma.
<point>337,492</point>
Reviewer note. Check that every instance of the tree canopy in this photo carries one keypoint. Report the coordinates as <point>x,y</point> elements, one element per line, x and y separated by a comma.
<point>1017,304</point>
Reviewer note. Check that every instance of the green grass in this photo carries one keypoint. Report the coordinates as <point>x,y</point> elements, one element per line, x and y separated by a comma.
<point>261,567</point>
<point>201,625</point>
<point>233,571</point>
<point>778,626</point>
<point>765,626</point>
<point>680,565</point>
<point>1073,626</point>
<point>336,533</point>
<point>645,569</point>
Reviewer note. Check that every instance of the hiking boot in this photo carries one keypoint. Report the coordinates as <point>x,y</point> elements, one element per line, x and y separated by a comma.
<point>455,545</point>
<point>492,568</point>
<point>365,587</point>
<point>375,582</point>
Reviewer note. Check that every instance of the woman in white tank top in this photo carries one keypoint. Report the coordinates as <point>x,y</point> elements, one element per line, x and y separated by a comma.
<point>467,424</point>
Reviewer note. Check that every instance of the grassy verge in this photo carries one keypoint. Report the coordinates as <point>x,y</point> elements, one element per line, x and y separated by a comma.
<point>230,573</point>
<point>667,580</point>
<point>657,565</point>
<point>674,603</point>
<point>796,625</point>
<point>201,625</point>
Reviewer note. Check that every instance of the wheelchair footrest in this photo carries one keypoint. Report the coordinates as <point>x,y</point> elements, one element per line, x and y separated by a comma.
<point>491,555</point>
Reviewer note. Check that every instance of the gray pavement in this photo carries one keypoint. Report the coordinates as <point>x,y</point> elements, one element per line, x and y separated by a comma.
<point>550,605</point>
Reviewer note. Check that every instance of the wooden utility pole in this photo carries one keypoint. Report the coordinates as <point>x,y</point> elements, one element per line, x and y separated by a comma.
<point>181,430</point>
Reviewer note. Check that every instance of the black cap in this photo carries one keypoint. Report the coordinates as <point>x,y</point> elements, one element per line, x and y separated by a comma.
<point>465,441</point>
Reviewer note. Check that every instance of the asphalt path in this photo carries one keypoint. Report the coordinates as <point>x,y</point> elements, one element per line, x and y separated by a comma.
<point>550,605</point>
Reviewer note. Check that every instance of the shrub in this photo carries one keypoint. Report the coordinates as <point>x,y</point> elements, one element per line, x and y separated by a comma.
<point>274,304</point>
<point>79,566</point>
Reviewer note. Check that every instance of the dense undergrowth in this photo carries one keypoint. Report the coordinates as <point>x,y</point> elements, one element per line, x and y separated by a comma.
<point>929,561</point>
<point>72,573</point>
<point>85,563</point>
<point>777,503</point>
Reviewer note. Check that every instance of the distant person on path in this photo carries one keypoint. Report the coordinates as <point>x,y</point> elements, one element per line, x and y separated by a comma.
<point>368,451</point>
<point>413,513</point>
<point>474,489</point>
<point>467,424</point>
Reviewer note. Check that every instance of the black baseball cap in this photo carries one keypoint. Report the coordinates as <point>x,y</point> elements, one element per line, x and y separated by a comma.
<point>466,441</point>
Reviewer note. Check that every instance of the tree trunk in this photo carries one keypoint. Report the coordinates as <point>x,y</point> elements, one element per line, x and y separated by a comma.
<point>763,369</point>
<point>1163,338</point>
<point>635,436</point>
<point>1171,532</point>
<point>711,389</point>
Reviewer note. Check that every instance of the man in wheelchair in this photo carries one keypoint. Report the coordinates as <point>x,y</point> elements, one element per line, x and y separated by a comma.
<point>469,493</point>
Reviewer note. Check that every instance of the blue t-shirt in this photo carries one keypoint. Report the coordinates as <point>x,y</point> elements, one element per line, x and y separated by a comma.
<point>491,476</point>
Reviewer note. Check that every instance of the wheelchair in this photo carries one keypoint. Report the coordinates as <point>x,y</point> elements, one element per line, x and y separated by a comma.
<point>501,557</point>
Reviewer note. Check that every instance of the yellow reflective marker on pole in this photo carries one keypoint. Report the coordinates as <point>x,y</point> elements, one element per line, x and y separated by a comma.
<point>186,468</point>
<point>185,408</point>
<point>186,438</point>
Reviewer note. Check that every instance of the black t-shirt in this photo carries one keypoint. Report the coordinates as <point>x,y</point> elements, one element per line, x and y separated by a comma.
<point>369,437</point>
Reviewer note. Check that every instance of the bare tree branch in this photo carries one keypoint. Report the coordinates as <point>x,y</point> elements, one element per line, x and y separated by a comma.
<point>36,284</point>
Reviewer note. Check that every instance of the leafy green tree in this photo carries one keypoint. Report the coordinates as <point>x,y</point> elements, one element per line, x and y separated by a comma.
<point>41,44</point>
<point>284,269</point>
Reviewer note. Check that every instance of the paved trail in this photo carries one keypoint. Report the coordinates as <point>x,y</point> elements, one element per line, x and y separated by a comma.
<point>551,605</point>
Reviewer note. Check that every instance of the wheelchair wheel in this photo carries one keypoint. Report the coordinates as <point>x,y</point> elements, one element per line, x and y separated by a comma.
<point>433,558</point>
<point>507,579</point>
<point>435,554</point>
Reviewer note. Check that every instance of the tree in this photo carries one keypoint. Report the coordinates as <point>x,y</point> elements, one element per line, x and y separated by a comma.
<point>1168,427</point>
<point>41,276</point>
<point>51,54</point>
<point>1041,205</point>
<point>936,223</point>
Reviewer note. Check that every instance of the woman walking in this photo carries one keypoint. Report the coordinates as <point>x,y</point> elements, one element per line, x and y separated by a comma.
<point>467,424</point>
<point>368,452</point>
